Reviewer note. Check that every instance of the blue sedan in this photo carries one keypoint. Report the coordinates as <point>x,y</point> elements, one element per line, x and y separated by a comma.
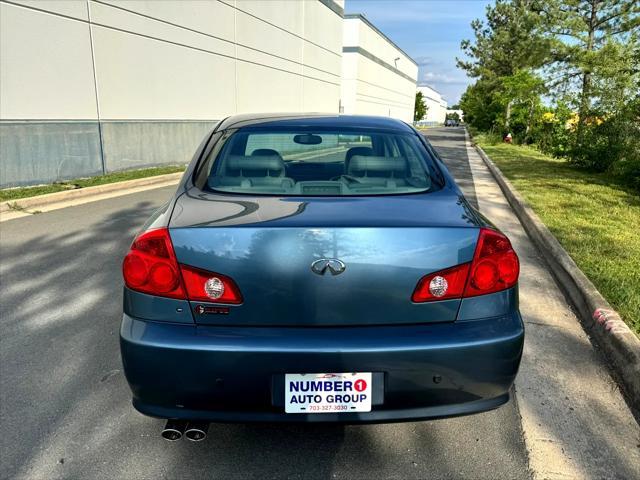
<point>318,268</point>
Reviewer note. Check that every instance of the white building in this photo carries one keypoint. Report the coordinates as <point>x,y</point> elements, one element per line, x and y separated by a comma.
<point>88,87</point>
<point>378,78</point>
<point>436,106</point>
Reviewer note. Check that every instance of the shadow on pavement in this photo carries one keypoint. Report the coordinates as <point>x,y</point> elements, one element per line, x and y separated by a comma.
<point>65,405</point>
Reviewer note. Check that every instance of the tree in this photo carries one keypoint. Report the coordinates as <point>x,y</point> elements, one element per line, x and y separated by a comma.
<point>582,55</point>
<point>420,109</point>
<point>481,105</point>
<point>585,34</point>
<point>506,50</point>
<point>507,41</point>
<point>522,89</point>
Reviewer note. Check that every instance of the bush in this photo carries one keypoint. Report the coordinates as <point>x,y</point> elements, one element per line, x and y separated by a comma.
<point>552,132</point>
<point>629,170</point>
<point>598,149</point>
<point>612,144</point>
<point>610,138</point>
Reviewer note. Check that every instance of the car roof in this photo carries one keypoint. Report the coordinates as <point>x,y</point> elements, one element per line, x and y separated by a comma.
<point>319,120</point>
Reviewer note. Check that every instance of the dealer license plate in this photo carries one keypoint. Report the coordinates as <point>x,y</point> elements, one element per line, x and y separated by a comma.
<point>327,392</point>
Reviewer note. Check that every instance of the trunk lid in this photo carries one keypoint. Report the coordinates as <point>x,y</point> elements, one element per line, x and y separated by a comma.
<point>267,246</point>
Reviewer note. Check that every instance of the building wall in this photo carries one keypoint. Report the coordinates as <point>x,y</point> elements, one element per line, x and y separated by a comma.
<point>92,86</point>
<point>436,106</point>
<point>378,78</point>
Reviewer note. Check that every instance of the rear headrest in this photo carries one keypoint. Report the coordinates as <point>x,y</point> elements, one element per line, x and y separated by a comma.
<point>391,165</point>
<point>363,151</point>
<point>265,152</point>
<point>267,165</point>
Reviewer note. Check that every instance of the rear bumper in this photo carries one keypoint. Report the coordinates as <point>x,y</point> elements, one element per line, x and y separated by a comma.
<point>235,374</point>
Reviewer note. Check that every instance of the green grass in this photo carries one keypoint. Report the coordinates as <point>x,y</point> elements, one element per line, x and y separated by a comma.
<point>595,217</point>
<point>24,192</point>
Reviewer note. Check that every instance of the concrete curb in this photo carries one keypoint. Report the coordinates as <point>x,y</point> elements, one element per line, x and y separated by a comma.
<point>33,203</point>
<point>620,344</point>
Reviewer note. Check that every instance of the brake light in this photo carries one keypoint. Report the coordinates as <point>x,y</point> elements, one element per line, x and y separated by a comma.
<point>495,267</point>
<point>151,266</point>
<point>207,286</point>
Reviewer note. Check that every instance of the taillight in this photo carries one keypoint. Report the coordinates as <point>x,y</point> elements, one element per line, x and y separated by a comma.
<point>207,286</point>
<point>442,285</point>
<point>495,267</point>
<point>151,265</point>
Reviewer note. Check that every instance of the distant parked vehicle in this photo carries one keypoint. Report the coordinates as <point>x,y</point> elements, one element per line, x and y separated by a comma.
<point>451,122</point>
<point>318,268</point>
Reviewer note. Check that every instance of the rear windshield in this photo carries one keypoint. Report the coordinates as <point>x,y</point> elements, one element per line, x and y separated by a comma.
<point>305,162</point>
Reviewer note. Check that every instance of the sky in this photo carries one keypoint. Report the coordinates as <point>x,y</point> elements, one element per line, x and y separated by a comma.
<point>430,32</point>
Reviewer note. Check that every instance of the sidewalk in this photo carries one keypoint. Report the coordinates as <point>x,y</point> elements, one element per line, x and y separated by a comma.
<point>575,420</point>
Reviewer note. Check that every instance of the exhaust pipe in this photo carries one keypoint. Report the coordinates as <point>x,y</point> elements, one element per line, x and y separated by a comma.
<point>173,430</point>
<point>196,431</point>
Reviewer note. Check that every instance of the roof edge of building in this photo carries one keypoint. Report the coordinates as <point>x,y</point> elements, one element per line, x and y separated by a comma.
<point>374,28</point>
<point>333,6</point>
<point>429,86</point>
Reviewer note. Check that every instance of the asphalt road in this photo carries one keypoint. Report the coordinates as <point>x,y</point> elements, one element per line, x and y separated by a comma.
<point>65,406</point>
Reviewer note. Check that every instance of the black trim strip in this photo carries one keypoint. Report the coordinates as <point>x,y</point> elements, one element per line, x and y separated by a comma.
<point>379,61</point>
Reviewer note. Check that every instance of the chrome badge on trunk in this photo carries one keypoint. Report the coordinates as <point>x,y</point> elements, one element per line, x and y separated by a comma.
<point>335,266</point>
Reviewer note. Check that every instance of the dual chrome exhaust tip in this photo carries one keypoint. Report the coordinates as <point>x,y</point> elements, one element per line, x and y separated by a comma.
<point>174,430</point>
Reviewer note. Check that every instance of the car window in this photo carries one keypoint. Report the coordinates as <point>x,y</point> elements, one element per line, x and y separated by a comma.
<point>332,148</point>
<point>305,162</point>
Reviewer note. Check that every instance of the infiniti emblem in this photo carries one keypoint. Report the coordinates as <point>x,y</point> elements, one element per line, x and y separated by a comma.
<point>335,266</point>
